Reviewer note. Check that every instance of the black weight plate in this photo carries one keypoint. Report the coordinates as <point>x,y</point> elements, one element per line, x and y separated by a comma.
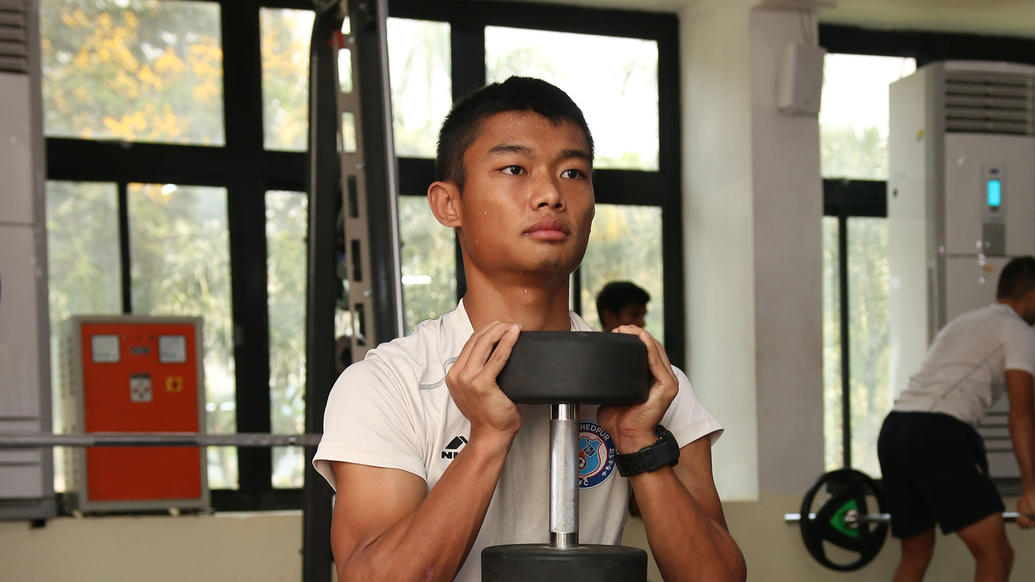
<point>848,489</point>
<point>579,367</point>
<point>582,563</point>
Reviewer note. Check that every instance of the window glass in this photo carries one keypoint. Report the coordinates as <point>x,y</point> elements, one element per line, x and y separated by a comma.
<point>347,136</point>
<point>180,265</point>
<point>832,425</point>
<point>869,333</point>
<point>286,227</point>
<point>419,73</point>
<point>134,70</point>
<point>625,244</point>
<point>428,262</point>
<point>613,80</point>
<point>345,61</point>
<point>285,77</point>
<point>83,269</point>
<point>853,119</point>
<point>868,340</point>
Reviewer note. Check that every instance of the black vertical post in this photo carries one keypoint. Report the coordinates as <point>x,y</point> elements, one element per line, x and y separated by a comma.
<point>324,199</point>
<point>125,269</point>
<point>670,150</point>
<point>242,107</point>
<point>466,37</point>
<point>846,378</point>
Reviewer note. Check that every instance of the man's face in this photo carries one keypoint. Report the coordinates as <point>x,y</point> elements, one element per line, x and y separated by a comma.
<point>631,314</point>
<point>527,204</point>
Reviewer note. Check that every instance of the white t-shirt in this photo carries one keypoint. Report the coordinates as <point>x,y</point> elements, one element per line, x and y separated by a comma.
<point>963,372</point>
<point>393,410</point>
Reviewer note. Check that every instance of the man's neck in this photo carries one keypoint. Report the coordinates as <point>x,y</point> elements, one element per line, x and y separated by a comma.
<point>1020,306</point>
<point>533,307</point>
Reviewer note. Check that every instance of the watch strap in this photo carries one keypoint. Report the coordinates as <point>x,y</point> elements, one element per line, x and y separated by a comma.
<point>662,453</point>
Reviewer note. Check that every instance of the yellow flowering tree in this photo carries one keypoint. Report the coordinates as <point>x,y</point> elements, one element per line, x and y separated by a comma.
<point>137,70</point>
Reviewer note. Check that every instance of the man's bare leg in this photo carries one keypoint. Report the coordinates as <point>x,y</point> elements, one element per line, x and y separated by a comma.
<point>987,541</point>
<point>916,555</point>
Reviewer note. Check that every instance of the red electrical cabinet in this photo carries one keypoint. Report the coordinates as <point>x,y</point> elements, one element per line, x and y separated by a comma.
<point>139,374</point>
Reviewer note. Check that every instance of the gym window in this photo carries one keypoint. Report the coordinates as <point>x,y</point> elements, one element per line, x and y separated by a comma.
<point>853,146</point>
<point>175,134</point>
<point>176,137</point>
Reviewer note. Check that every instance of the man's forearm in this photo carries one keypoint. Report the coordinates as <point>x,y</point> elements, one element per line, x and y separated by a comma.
<point>1022,433</point>
<point>687,544</point>
<point>432,543</point>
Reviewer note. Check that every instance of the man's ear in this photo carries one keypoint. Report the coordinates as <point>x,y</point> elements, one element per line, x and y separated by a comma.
<point>444,200</point>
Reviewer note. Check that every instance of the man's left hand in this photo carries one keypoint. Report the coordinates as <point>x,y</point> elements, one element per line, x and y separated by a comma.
<point>632,426</point>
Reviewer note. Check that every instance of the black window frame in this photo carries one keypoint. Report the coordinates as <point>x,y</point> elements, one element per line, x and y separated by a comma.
<point>845,198</point>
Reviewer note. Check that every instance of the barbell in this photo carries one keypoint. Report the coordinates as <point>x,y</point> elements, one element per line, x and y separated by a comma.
<point>852,518</point>
<point>844,520</point>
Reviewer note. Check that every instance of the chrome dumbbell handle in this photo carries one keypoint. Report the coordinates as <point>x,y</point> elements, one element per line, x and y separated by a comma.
<point>564,472</point>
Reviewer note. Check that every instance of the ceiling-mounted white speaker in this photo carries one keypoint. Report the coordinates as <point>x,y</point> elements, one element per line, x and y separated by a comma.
<point>800,79</point>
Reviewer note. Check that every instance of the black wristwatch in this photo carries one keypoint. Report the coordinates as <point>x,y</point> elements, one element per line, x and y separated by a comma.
<point>664,452</point>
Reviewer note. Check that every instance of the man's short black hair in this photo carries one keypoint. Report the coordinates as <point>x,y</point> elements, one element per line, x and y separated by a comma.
<point>617,294</point>
<point>1017,278</point>
<point>460,127</point>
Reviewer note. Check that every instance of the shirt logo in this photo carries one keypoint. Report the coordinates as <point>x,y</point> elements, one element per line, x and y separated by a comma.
<point>453,448</point>
<point>596,455</point>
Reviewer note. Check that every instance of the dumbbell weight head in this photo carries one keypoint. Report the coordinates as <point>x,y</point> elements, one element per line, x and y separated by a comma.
<point>584,563</point>
<point>576,367</point>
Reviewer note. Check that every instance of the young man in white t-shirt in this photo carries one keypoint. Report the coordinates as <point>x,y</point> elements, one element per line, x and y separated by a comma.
<point>932,459</point>
<point>431,462</point>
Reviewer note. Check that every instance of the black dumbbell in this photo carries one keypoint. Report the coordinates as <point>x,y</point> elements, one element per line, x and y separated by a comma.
<point>565,369</point>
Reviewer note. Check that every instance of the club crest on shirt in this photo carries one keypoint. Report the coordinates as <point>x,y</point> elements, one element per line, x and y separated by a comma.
<point>596,455</point>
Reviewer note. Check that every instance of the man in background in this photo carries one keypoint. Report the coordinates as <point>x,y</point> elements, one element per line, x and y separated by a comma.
<point>622,303</point>
<point>932,459</point>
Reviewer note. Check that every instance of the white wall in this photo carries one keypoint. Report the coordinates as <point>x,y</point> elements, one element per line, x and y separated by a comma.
<point>752,205</point>
<point>788,200</point>
<point>718,227</point>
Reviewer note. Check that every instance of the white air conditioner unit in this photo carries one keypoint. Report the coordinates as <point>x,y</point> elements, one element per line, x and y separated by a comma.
<point>961,203</point>
<point>26,475</point>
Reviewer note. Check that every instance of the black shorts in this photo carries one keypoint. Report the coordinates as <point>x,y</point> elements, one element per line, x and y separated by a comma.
<point>935,471</point>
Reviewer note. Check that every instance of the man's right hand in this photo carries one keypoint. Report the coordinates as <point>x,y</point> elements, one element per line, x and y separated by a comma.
<point>472,381</point>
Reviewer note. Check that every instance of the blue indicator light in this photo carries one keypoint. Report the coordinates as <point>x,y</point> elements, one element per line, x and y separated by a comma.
<point>995,196</point>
